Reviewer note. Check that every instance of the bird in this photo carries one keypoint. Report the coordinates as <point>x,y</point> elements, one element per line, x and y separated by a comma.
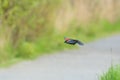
<point>72,41</point>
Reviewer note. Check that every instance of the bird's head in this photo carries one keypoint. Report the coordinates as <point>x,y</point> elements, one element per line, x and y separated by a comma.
<point>66,39</point>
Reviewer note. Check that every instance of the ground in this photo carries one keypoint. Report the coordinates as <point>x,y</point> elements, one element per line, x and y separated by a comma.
<point>87,63</point>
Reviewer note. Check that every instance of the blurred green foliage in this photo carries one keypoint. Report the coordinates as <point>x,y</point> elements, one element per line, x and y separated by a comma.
<point>27,28</point>
<point>112,74</point>
<point>22,23</point>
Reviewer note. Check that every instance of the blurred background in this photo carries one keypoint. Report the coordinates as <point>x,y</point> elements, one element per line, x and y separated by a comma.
<point>30,28</point>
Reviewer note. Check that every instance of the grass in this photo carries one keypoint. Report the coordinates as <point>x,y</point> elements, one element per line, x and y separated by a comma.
<point>11,62</point>
<point>112,74</point>
<point>28,28</point>
<point>51,41</point>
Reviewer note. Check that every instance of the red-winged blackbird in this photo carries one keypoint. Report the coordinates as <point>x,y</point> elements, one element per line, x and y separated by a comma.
<point>72,41</point>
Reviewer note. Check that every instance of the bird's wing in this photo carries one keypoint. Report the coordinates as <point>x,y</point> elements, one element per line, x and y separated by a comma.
<point>80,43</point>
<point>71,41</point>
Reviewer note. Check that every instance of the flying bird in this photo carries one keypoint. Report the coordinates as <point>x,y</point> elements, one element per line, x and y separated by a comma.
<point>72,41</point>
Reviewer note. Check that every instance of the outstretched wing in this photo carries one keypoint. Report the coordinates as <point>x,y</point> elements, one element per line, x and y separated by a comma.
<point>71,41</point>
<point>80,43</point>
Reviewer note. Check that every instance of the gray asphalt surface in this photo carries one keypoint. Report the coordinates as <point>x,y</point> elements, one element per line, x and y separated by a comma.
<point>88,63</point>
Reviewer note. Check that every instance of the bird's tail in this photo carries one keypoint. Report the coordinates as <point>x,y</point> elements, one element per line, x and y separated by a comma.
<point>80,43</point>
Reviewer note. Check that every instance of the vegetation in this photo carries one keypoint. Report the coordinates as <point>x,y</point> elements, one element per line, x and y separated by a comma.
<point>29,28</point>
<point>112,74</point>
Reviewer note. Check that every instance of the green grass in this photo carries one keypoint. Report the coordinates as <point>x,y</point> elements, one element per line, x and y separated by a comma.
<point>10,62</point>
<point>28,29</point>
<point>112,74</point>
<point>51,42</point>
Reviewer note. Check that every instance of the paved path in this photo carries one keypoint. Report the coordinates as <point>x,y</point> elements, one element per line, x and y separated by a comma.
<point>85,64</point>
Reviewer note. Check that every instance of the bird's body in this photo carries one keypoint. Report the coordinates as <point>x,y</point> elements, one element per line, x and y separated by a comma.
<point>73,41</point>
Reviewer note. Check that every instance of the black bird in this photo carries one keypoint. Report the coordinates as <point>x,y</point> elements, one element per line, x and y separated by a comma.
<point>72,41</point>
